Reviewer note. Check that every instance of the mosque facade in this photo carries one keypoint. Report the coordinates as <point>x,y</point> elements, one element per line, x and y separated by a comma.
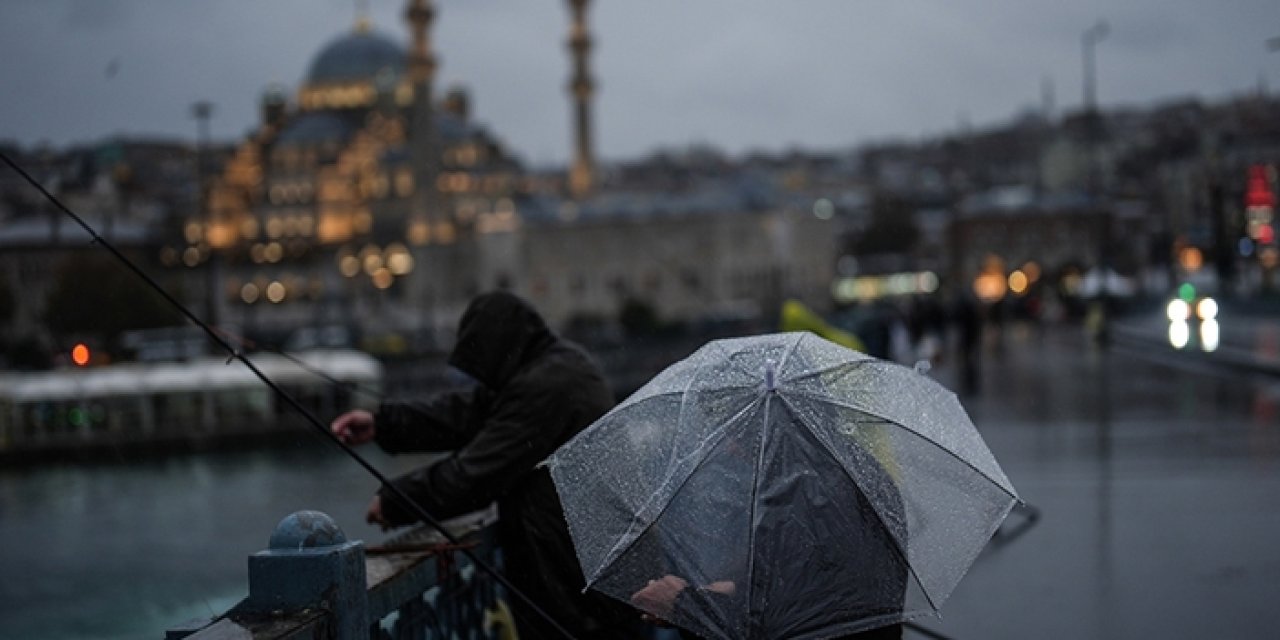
<point>362,201</point>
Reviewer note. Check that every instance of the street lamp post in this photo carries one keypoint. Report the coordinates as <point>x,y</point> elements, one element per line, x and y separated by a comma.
<point>202,111</point>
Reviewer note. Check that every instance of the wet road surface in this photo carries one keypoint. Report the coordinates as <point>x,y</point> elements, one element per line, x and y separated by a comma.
<point>1158,487</point>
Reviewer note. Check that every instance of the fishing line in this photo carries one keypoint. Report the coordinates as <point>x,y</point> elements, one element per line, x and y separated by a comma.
<point>236,354</point>
<point>373,394</point>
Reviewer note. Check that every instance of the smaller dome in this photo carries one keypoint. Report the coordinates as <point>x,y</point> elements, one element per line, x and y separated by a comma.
<point>361,55</point>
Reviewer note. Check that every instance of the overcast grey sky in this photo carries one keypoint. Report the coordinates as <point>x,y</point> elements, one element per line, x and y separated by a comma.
<point>739,74</point>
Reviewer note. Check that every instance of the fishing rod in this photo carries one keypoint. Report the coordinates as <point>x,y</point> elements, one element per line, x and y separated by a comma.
<point>373,394</point>
<point>236,354</point>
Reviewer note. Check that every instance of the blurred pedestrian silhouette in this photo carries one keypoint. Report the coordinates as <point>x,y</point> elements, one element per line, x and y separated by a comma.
<point>535,392</point>
<point>966,315</point>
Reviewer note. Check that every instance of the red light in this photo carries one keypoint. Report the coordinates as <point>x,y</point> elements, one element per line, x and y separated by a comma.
<point>80,355</point>
<point>1266,234</point>
<point>1258,192</point>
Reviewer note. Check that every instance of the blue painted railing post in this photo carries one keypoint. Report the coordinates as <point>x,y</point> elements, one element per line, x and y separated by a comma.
<point>309,564</point>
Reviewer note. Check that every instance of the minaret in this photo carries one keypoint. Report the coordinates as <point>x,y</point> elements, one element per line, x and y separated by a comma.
<point>582,173</point>
<point>422,68</point>
<point>426,215</point>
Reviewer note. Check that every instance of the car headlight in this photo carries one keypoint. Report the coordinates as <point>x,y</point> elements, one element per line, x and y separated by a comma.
<point>1207,309</point>
<point>1178,310</point>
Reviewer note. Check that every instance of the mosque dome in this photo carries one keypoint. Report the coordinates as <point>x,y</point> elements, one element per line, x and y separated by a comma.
<point>357,56</point>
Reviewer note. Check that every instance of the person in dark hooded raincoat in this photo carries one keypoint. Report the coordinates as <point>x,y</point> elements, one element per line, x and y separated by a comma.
<point>536,392</point>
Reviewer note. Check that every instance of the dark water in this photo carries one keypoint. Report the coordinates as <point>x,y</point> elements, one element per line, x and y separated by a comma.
<point>1158,485</point>
<point>127,550</point>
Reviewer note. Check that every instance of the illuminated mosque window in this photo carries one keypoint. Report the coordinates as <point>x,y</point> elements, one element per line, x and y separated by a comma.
<point>445,233</point>
<point>404,94</point>
<point>404,182</point>
<point>193,232</point>
<point>249,293</point>
<point>363,221</point>
<point>371,259</point>
<point>419,233</point>
<point>306,225</point>
<point>276,292</point>
<point>273,252</point>
<point>249,228</point>
<point>380,185</point>
<point>275,227</point>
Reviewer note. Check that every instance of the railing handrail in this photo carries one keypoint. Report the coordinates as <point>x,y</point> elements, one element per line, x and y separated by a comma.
<point>412,575</point>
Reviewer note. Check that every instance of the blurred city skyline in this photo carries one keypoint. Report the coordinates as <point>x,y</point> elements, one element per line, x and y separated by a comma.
<point>742,76</point>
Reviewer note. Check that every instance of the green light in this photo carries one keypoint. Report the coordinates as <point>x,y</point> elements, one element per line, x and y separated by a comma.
<point>77,417</point>
<point>1187,292</point>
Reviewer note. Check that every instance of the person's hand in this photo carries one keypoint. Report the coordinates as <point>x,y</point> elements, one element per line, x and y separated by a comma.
<point>354,427</point>
<point>658,597</point>
<point>373,515</point>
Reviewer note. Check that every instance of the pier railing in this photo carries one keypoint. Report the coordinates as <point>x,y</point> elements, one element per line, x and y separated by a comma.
<point>311,582</point>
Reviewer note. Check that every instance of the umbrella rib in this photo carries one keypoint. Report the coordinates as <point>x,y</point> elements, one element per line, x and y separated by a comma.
<point>755,497</point>
<point>887,420</point>
<point>786,355</point>
<point>897,546</point>
<point>624,543</point>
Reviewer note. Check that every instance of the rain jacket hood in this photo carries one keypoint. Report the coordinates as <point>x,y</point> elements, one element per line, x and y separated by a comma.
<point>499,334</point>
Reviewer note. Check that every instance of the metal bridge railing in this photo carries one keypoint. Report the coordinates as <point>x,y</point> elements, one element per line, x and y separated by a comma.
<point>311,582</point>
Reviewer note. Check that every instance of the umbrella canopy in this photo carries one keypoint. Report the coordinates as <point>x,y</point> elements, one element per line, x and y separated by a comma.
<point>788,487</point>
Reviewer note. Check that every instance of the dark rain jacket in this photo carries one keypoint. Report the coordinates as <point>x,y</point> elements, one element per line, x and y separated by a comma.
<point>537,391</point>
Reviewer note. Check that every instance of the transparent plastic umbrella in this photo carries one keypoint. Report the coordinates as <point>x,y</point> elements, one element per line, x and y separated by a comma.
<point>792,487</point>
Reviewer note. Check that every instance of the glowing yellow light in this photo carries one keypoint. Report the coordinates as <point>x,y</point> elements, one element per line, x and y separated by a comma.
<point>398,260</point>
<point>249,228</point>
<point>349,265</point>
<point>1018,282</point>
<point>371,258</point>
<point>80,355</point>
<point>220,235</point>
<point>1178,310</point>
<point>193,232</point>
<point>275,292</point>
<point>273,252</point>
<point>275,228</point>
<point>1191,259</point>
<point>990,287</point>
<point>1032,270</point>
<point>363,221</point>
<point>419,233</point>
<point>249,293</point>
<point>445,233</point>
<point>382,278</point>
<point>1207,309</point>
